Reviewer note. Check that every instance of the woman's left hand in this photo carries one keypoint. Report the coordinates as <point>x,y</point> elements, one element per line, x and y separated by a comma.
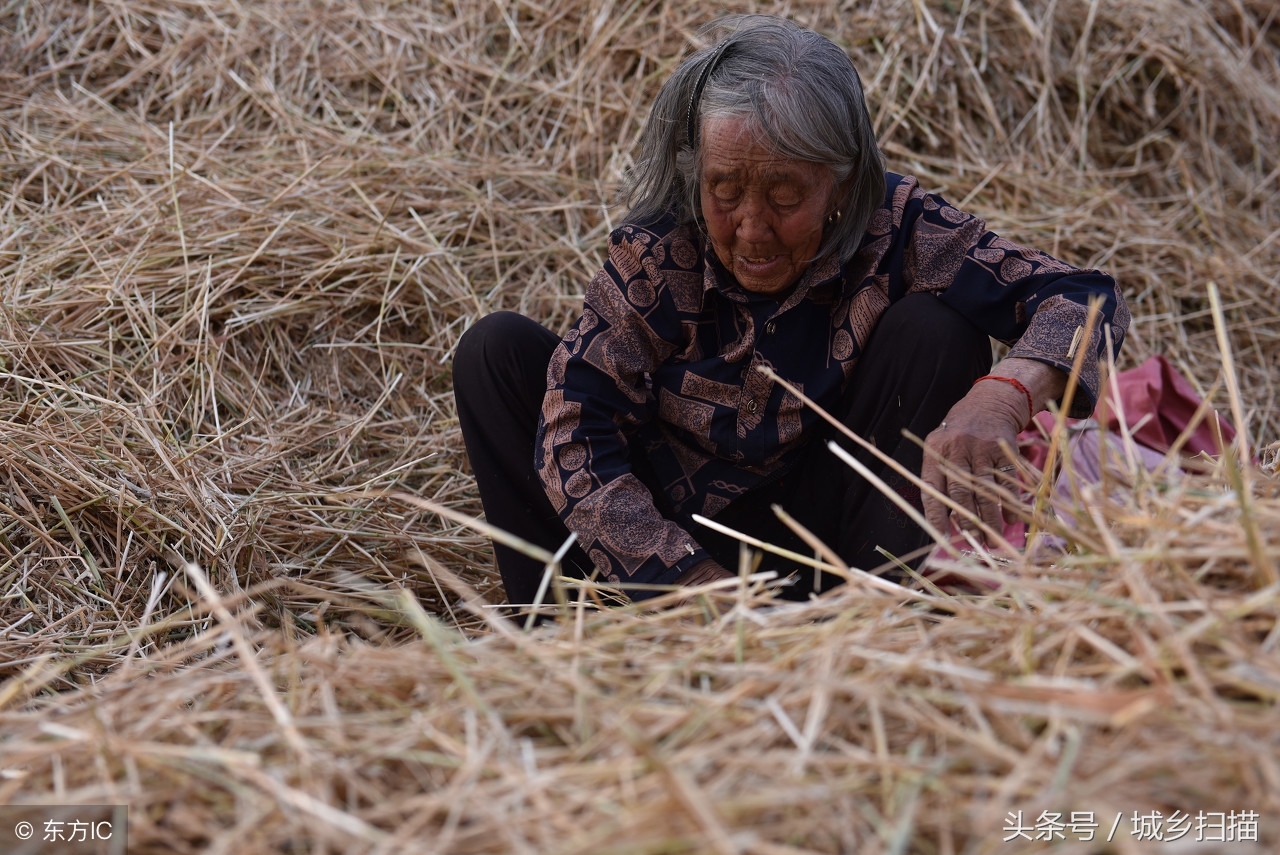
<point>977,438</point>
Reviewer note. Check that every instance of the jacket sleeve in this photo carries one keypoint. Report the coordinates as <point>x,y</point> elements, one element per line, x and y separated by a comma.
<point>597,395</point>
<point>1029,300</point>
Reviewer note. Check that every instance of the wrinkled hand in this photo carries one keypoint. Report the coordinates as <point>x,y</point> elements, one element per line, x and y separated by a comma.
<point>970,440</point>
<point>703,572</point>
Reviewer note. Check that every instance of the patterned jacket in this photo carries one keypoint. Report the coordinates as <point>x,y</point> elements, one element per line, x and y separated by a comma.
<point>665,351</point>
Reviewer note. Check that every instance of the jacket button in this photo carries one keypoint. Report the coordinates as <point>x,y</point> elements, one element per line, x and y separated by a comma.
<point>770,327</point>
<point>751,405</point>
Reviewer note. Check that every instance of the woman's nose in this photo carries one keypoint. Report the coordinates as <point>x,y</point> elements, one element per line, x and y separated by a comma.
<point>754,225</point>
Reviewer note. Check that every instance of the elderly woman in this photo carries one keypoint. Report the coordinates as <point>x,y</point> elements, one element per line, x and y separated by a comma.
<point>763,230</point>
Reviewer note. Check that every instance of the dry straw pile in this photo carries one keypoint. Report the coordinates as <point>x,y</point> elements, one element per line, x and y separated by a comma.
<point>238,242</point>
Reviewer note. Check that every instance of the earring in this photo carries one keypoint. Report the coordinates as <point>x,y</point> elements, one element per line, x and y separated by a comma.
<point>833,217</point>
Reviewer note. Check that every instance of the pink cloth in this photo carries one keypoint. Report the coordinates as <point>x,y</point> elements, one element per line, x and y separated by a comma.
<point>1157,404</point>
<point>1155,388</point>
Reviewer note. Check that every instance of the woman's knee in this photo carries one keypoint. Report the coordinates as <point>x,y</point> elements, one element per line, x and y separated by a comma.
<point>925,324</point>
<point>927,316</point>
<point>501,344</point>
<point>488,339</point>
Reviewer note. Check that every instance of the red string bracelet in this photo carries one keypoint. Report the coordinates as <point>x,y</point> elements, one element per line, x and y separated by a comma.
<point>1017,384</point>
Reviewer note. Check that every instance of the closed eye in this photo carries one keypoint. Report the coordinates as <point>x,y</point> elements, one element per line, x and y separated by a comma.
<point>785,195</point>
<point>726,191</point>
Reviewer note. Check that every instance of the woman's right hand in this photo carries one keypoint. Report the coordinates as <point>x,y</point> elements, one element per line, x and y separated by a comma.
<point>703,573</point>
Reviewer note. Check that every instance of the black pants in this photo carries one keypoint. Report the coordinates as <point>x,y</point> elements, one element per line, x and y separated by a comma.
<point>921,358</point>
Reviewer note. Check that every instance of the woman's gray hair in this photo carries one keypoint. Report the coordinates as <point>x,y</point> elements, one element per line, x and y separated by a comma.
<point>799,91</point>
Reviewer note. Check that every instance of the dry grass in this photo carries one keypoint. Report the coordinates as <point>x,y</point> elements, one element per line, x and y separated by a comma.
<point>238,242</point>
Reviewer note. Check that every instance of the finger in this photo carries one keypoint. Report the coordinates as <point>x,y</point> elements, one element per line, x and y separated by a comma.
<point>1005,475</point>
<point>960,493</point>
<point>1008,514</point>
<point>934,510</point>
<point>936,513</point>
<point>988,507</point>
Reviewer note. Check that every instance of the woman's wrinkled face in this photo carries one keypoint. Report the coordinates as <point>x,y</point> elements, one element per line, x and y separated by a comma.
<point>764,213</point>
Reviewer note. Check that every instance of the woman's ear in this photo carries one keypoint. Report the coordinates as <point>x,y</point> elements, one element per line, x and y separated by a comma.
<point>842,191</point>
<point>839,193</point>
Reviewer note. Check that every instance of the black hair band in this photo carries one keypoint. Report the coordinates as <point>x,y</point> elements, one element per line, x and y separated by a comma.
<point>691,113</point>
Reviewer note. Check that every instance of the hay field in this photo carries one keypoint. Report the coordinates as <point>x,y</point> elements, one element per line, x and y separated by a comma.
<point>238,243</point>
